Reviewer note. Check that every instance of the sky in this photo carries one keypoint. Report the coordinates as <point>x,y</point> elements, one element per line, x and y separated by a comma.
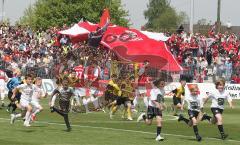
<point>14,9</point>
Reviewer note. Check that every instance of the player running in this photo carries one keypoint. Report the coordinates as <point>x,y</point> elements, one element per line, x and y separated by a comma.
<point>3,80</point>
<point>155,107</point>
<point>178,97</point>
<point>26,96</point>
<point>91,79</point>
<point>116,95</point>
<point>74,83</point>
<point>13,83</point>
<point>218,97</point>
<point>195,105</point>
<point>142,81</point>
<point>38,93</point>
<point>64,93</point>
<point>127,93</point>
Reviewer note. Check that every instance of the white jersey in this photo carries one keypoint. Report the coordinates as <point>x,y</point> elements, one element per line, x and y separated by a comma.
<point>37,93</point>
<point>26,90</point>
<point>3,77</point>
<point>156,94</point>
<point>195,103</point>
<point>218,99</point>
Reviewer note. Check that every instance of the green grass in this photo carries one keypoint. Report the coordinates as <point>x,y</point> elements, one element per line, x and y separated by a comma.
<point>97,129</point>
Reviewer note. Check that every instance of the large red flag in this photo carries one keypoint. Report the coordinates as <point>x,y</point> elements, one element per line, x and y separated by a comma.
<point>132,45</point>
<point>172,64</point>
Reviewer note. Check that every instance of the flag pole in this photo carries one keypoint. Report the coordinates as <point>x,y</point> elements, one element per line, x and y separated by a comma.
<point>219,16</point>
<point>191,16</point>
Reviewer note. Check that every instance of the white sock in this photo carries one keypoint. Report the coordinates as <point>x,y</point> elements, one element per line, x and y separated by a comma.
<point>135,102</point>
<point>18,115</point>
<point>2,97</point>
<point>85,103</point>
<point>27,117</point>
<point>36,111</point>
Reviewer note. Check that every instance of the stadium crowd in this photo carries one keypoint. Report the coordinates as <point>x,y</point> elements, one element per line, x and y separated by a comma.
<point>40,51</point>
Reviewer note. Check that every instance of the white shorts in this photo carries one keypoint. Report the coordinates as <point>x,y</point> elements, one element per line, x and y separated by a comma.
<point>80,92</point>
<point>24,103</point>
<point>35,104</point>
<point>142,90</point>
<point>93,91</point>
<point>87,100</point>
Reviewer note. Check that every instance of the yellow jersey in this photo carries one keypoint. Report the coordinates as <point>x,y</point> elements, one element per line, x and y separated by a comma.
<point>127,90</point>
<point>180,91</point>
<point>116,89</point>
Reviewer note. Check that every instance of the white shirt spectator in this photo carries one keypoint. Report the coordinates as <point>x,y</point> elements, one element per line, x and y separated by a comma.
<point>31,62</point>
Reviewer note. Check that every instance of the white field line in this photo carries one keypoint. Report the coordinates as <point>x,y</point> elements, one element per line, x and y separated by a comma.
<point>125,130</point>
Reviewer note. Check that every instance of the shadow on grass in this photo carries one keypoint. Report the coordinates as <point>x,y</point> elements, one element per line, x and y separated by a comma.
<point>27,130</point>
<point>39,126</point>
<point>191,139</point>
<point>149,138</point>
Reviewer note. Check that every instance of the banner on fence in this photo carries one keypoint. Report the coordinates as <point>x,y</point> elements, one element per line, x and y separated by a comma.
<point>232,89</point>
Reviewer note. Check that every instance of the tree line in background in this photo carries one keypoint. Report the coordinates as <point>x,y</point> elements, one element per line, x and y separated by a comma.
<point>48,13</point>
<point>162,17</point>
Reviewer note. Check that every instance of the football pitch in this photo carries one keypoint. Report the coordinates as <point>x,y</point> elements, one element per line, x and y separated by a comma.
<point>97,129</point>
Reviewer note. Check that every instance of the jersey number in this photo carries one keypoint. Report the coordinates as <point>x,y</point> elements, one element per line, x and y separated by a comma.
<point>220,101</point>
<point>160,98</point>
<point>194,105</point>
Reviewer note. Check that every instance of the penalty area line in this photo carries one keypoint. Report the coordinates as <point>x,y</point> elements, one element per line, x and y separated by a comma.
<point>126,130</point>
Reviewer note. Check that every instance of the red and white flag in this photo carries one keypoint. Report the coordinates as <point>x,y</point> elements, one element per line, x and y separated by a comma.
<point>133,46</point>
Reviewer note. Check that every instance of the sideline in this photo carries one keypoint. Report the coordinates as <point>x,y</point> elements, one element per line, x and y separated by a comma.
<point>125,130</point>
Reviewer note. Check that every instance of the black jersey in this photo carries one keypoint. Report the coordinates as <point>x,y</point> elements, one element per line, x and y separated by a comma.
<point>65,94</point>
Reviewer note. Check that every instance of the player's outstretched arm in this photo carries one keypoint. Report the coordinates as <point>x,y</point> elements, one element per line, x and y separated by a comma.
<point>230,104</point>
<point>53,97</point>
<point>205,100</point>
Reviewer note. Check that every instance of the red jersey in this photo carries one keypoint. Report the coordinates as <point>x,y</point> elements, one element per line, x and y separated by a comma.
<point>93,74</point>
<point>79,73</point>
<point>143,79</point>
